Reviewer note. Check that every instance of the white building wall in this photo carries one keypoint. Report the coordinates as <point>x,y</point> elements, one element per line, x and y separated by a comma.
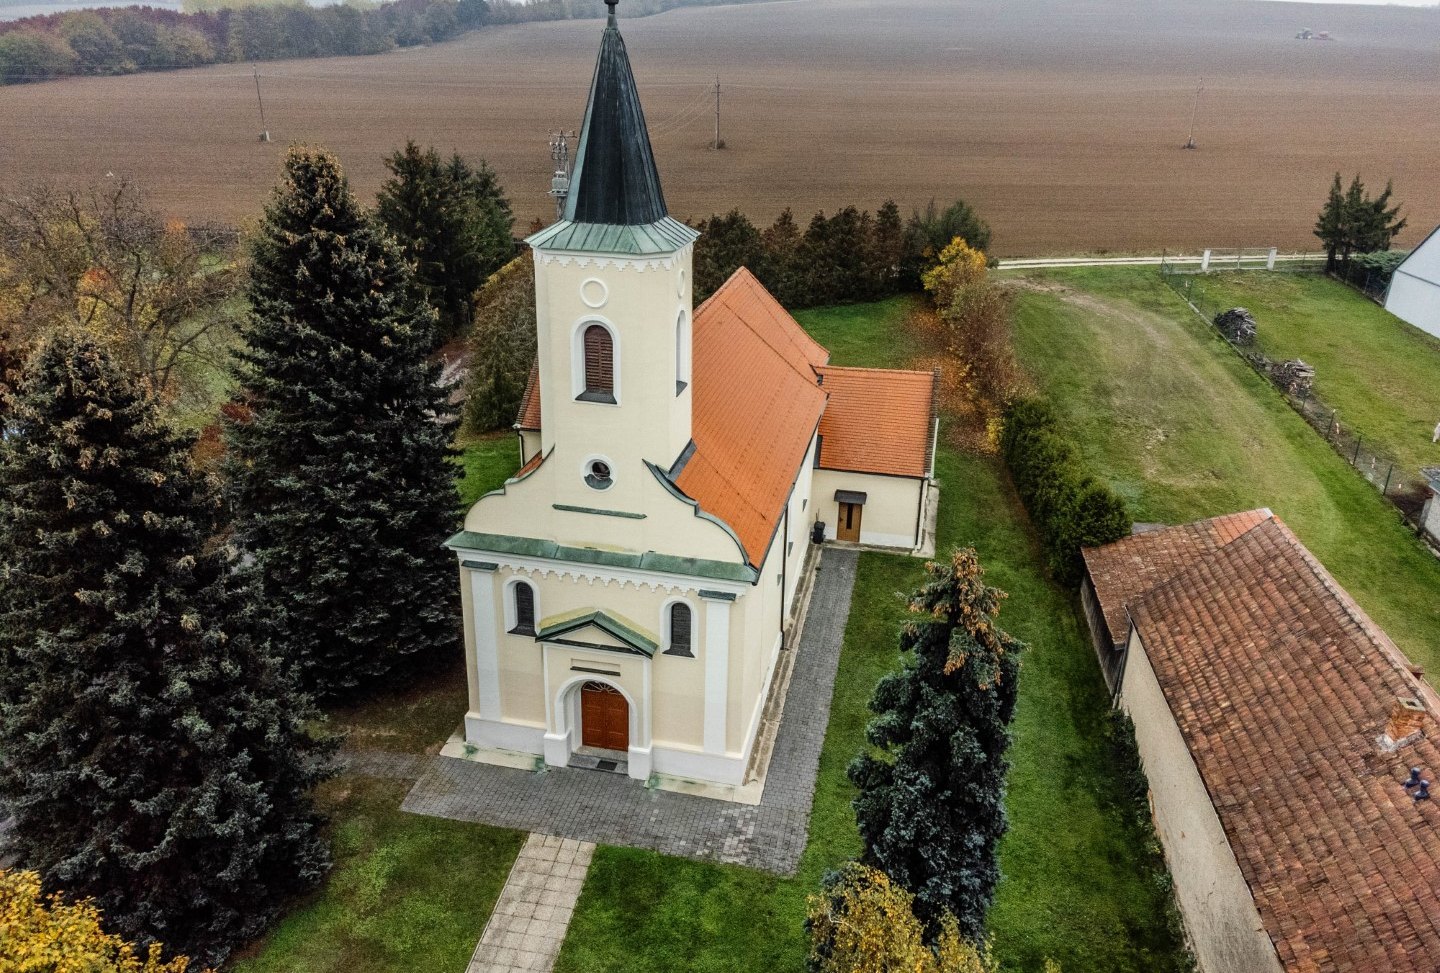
<point>1415,301</point>
<point>1220,917</point>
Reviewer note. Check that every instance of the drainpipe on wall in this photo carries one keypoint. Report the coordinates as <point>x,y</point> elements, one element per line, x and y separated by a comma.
<point>784,555</point>
<point>520,439</point>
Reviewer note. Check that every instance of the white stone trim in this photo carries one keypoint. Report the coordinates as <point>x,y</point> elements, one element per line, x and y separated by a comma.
<point>684,347</point>
<point>507,603</point>
<point>566,258</point>
<point>690,765</point>
<point>602,300</point>
<point>717,673</point>
<point>499,735</point>
<point>654,580</point>
<point>560,737</point>
<point>486,647</point>
<point>577,357</point>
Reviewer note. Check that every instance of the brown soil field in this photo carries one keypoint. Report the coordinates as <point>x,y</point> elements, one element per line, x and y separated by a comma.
<point>1061,120</point>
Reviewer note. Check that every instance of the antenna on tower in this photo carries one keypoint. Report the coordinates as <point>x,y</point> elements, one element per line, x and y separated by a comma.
<point>560,182</point>
<point>1194,108</point>
<point>264,129</point>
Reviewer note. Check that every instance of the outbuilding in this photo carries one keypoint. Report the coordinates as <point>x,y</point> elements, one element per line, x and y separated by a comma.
<point>1414,292</point>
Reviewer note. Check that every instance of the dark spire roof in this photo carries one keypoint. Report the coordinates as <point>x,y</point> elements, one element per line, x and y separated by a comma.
<point>615,181</point>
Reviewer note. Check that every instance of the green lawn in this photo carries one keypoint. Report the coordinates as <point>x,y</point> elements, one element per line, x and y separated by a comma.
<point>1078,884</point>
<point>1381,373</point>
<point>408,893</point>
<point>486,462</point>
<point>1184,429</point>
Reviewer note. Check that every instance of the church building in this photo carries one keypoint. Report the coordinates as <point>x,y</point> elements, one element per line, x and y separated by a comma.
<point>628,593</point>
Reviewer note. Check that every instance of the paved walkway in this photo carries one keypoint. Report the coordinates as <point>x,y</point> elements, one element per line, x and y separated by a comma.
<point>609,809</point>
<point>534,909</point>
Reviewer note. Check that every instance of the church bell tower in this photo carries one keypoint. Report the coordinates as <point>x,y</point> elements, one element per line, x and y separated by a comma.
<point>613,304</point>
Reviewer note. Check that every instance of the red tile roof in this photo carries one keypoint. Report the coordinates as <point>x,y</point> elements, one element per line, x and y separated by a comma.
<point>1123,571</point>
<point>756,406</point>
<point>529,417</point>
<point>1281,686</point>
<point>878,420</point>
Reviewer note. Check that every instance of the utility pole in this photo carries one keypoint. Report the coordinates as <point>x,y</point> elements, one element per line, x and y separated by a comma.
<point>560,182</point>
<point>1194,108</point>
<point>264,129</point>
<point>719,142</point>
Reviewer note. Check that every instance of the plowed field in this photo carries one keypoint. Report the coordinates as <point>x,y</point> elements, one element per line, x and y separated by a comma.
<point>1062,120</point>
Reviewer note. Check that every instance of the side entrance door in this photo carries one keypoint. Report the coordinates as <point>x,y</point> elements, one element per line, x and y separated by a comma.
<point>604,717</point>
<point>847,528</point>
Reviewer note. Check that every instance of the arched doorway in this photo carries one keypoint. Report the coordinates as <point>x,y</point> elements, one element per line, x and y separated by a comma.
<point>604,717</point>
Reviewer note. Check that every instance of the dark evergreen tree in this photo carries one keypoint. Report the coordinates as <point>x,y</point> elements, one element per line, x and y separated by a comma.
<point>1330,225</point>
<point>931,808</point>
<point>787,273</point>
<point>726,244</point>
<point>341,475</point>
<point>453,221</point>
<point>1351,222</point>
<point>928,233</point>
<point>887,249</point>
<point>152,748</point>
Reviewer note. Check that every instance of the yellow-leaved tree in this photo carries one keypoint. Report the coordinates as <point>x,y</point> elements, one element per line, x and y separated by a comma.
<point>861,922</point>
<point>44,934</point>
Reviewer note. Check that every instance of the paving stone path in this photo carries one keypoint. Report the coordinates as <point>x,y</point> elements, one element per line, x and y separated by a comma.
<point>534,909</point>
<point>609,809</point>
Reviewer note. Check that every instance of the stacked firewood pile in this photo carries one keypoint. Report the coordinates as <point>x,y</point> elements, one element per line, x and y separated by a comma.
<point>1237,324</point>
<point>1293,375</point>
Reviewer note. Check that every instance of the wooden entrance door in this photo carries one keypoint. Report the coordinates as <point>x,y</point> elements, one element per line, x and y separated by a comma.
<point>604,717</point>
<point>847,528</point>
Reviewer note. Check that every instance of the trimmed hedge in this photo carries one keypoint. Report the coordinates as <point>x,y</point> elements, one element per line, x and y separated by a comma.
<point>1070,508</point>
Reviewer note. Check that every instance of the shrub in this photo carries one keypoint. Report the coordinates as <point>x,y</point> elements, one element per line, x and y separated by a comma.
<point>861,922</point>
<point>43,933</point>
<point>503,347</point>
<point>1069,506</point>
<point>29,55</point>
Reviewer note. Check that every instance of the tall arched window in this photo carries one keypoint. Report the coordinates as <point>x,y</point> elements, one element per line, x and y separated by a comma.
<point>680,638</point>
<point>524,607</point>
<point>599,349</point>
<point>682,352</point>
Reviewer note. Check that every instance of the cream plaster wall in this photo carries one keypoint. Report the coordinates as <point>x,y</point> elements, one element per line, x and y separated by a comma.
<point>640,301</point>
<point>892,506</point>
<point>677,681</point>
<point>1221,920</point>
<point>529,445</point>
<point>667,524</point>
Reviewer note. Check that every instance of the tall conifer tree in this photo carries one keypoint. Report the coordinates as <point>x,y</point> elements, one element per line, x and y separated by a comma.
<point>341,474</point>
<point>932,810</point>
<point>153,750</point>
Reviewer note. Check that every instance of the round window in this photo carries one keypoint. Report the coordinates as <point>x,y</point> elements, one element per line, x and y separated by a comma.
<point>597,475</point>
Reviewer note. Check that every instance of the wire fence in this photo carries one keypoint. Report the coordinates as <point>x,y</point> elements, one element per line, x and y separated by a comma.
<point>1405,488</point>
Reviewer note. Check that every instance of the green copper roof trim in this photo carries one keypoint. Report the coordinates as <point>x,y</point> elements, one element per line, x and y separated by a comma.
<point>717,595</point>
<point>679,494</point>
<point>691,567</point>
<point>665,236</point>
<point>571,508</point>
<point>607,623</point>
<point>483,566</point>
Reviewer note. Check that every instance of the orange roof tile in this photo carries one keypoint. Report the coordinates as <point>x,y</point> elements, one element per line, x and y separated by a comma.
<point>1125,570</point>
<point>529,417</point>
<point>1281,685</point>
<point>756,406</point>
<point>877,421</point>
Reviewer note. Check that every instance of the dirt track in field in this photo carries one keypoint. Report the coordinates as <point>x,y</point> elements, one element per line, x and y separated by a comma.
<point>1062,120</point>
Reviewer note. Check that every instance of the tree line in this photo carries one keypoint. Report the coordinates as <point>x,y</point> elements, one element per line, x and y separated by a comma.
<point>170,622</point>
<point>1352,222</point>
<point>125,40</point>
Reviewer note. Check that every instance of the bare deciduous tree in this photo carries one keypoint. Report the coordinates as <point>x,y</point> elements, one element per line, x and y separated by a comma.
<point>155,292</point>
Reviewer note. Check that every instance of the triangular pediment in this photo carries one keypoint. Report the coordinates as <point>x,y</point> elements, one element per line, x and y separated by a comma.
<point>598,630</point>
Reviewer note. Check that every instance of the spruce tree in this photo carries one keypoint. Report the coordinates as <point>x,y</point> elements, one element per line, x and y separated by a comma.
<point>152,748</point>
<point>931,805</point>
<point>341,475</point>
<point>453,222</point>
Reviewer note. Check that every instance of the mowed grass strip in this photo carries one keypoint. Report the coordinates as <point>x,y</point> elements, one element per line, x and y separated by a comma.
<point>1080,881</point>
<point>1382,374</point>
<point>1180,425</point>
<point>407,894</point>
<point>486,462</point>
